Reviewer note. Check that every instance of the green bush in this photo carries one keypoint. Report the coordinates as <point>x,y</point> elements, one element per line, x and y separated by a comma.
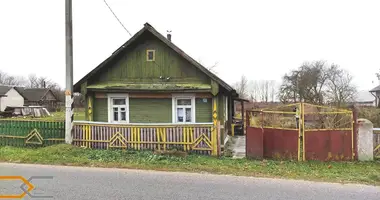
<point>372,114</point>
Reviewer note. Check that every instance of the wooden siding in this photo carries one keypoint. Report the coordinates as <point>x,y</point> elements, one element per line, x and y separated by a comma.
<point>150,110</point>
<point>221,109</point>
<point>158,110</point>
<point>100,110</point>
<point>150,95</point>
<point>132,67</point>
<point>203,110</point>
<point>49,96</point>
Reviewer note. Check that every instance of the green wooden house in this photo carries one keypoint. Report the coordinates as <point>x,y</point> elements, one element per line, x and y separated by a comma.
<point>150,80</point>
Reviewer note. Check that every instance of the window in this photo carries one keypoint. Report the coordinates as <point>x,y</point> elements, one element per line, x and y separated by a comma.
<point>150,55</point>
<point>118,108</point>
<point>183,109</point>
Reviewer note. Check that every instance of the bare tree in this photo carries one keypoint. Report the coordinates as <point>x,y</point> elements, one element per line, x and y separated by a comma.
<point>262,90</point>
<point>6,79</point>
<point>32,81</point>
<point>340,89</point>
<point>40,82</point>
<point>241,87</point>
<point>317,83</point>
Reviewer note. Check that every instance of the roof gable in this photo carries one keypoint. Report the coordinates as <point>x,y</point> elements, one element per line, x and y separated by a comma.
<point>4,89</point>
<point>34,94</point>
<point>149,28</point>
<point>377,88</point>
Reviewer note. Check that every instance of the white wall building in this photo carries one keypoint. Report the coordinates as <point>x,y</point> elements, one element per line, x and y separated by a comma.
<point>9,96</point>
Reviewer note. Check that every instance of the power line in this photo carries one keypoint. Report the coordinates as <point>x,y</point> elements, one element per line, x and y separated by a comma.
<point>117,17</point>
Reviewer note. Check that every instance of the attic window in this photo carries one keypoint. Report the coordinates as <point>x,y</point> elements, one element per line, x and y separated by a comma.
<point>150,55</point>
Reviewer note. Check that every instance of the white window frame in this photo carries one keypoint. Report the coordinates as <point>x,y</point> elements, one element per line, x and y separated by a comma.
<point>110,106</point>
<point>176,97</point>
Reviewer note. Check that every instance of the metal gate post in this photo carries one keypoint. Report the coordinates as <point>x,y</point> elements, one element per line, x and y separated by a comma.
<point>303,131</point>
<point>299,132</point>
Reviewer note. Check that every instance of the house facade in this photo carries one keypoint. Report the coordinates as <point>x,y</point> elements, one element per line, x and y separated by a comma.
<point>39,97</point>
<point>150,80</point>
<point>10,97</point>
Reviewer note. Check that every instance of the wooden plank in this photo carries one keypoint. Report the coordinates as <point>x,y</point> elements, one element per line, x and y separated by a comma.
<point>100,95</point>
<point>150,95</point>
<point>203,95</point>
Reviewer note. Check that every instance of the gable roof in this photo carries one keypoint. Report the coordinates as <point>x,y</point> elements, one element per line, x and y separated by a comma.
<point>377,88</point>
<point>33,94</point>
<point>364,96</point>
<point>149,28</point>
<point>4,89</point>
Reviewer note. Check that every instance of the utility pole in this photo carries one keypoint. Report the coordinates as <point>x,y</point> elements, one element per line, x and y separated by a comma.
<point>69,73</point>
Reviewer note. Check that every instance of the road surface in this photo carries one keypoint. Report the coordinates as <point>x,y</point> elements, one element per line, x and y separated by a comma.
<point>94,183</point>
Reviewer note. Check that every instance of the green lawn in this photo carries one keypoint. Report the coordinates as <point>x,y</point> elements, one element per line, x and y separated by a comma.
<point>79,115</point>
<point>343,172</point>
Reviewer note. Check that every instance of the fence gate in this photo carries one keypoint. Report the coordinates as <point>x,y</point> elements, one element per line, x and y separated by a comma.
<point>301,132</point>
<point>274,133</point>
<point>328,133</point>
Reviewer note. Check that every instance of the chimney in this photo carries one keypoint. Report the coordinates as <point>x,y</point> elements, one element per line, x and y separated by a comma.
<point>169,35</point>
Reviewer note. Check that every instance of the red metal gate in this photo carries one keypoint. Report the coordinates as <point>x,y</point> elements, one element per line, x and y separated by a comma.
<point>274,133</point>
<point>301,132</point>
<point>329,133</point>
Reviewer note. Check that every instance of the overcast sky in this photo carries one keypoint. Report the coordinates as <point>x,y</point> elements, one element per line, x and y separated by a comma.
<point>261,39</point>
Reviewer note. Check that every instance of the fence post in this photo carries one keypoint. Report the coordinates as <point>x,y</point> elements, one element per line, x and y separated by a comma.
<point>218,138</point>
<point>365,140</point>
<point>355,128</point>
<point>303,131</point>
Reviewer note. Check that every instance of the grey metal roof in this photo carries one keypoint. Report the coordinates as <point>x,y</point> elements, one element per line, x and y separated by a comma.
<point>4,89</point>
<point>33,94</point>
<point>364,96</point>
<point>377,88</point>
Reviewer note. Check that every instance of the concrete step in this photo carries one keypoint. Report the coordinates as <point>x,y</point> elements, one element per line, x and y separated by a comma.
<point>238,148</point>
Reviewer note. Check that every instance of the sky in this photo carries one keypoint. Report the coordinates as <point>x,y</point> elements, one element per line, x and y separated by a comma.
<point>261,39</point>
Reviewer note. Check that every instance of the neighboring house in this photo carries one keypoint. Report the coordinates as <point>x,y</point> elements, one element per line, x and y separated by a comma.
<point>150,80</point>
<point>39,97</point>
<point>10,97</point>
<point>376,93</point>
<point>365,98</point>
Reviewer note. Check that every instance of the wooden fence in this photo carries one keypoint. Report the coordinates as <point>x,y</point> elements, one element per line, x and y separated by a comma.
<point>31,133</point>
<point>199,138</point>
<point>376,144</point>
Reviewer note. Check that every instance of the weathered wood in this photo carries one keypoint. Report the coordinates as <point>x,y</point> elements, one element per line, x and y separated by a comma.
<point>31,133</point>
<point>150,95</point>
<point>148,137</point>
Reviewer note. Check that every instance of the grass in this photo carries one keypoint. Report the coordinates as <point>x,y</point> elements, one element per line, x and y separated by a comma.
<point>342,172</point>
<point>54,116</point>
<point>59,116</point>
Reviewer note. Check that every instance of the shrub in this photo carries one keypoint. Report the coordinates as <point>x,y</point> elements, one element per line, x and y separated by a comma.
<point>372,114</point>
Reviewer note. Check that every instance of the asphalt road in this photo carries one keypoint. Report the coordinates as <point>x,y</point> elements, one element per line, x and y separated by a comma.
<point>94,183</point>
